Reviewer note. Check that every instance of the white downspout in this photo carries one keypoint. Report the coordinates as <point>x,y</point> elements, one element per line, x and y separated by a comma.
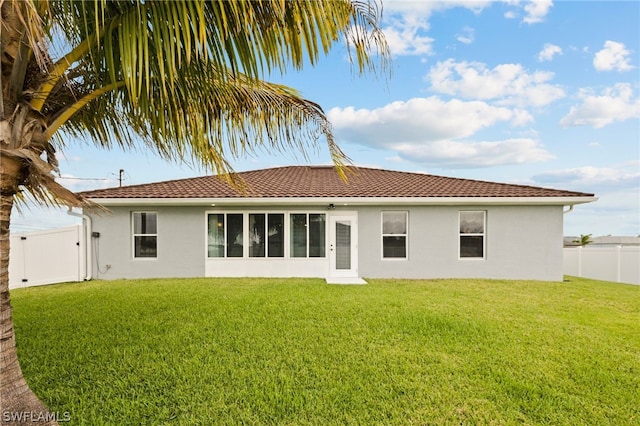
<point>88,261</point>
<point>579,252</point>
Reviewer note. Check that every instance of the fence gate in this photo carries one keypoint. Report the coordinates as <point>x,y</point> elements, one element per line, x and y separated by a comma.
<point>46,257</point>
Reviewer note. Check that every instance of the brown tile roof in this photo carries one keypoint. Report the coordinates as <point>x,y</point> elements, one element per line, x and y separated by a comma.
<point>323,181</point>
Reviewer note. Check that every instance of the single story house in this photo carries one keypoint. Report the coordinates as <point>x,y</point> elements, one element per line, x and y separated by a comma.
<point>305,221</point>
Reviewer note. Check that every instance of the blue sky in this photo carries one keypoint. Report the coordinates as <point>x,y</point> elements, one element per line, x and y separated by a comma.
<point>540,93</point>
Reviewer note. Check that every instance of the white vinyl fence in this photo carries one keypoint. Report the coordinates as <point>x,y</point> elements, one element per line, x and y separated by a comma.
<point>619,264</point>
<point>57,256</point>
<point>46,257</point>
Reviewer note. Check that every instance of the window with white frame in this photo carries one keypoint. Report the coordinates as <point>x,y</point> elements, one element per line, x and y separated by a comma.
<point>275,235</point>
<point>394,234</point>
<point>145,234</point>
<point>224,234</point>
<point>307,234</point>
<point>472,225</point>
<point>266,235</point>
<point>257,235</point>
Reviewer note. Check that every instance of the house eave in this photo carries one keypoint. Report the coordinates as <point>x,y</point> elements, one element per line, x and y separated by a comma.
<point>347,201</point>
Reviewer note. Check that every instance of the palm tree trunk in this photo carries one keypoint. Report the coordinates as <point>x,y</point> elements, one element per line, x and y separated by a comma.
<point>18,404</point>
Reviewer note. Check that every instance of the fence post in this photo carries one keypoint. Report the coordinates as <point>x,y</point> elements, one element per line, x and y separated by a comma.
<point>618,249</point>
<point>580,261</point>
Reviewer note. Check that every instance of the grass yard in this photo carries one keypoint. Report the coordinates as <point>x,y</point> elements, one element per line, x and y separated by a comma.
<point>301,352</point>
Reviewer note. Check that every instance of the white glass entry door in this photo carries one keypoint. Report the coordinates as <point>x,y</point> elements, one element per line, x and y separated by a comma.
<point>343,245</point>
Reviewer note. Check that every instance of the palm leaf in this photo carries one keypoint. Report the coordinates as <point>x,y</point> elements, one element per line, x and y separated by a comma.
<point>40,183</point>
<point>210,119</point>
<point>154,39</point>
<point>190,71</point>
<point>183,77</point>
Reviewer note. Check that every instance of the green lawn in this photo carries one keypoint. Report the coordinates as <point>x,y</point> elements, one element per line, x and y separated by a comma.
<point>273,351</point>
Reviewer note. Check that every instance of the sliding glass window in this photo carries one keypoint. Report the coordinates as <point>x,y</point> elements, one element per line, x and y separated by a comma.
<point>275,235</point>
<point>307,234</point>
<point>257,235</point>
<point>266,234</point>
<point>224,235</point>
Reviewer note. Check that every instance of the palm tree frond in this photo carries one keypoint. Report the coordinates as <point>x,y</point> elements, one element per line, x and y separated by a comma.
<point>40,182</point>
<point>154,39</point>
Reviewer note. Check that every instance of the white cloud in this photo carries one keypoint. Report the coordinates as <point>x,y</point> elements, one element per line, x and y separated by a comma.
<point>419,119</point>
<point>615,103</point>
<point>406,36</point>
<point>590,179</point>
<point>426,8</point>
<point>454,154</point>
<point>466,36</point>
<point>536,11</point>
<point>617,210</point>
<point>406,23</point>
<point>508,84</point>
<point>432,131</point>
<point>613,57</point>
<point>548,52</point>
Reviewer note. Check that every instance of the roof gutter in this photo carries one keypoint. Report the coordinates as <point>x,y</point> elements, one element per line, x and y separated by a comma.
<point>347,201</point>
<point>86,222</point>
